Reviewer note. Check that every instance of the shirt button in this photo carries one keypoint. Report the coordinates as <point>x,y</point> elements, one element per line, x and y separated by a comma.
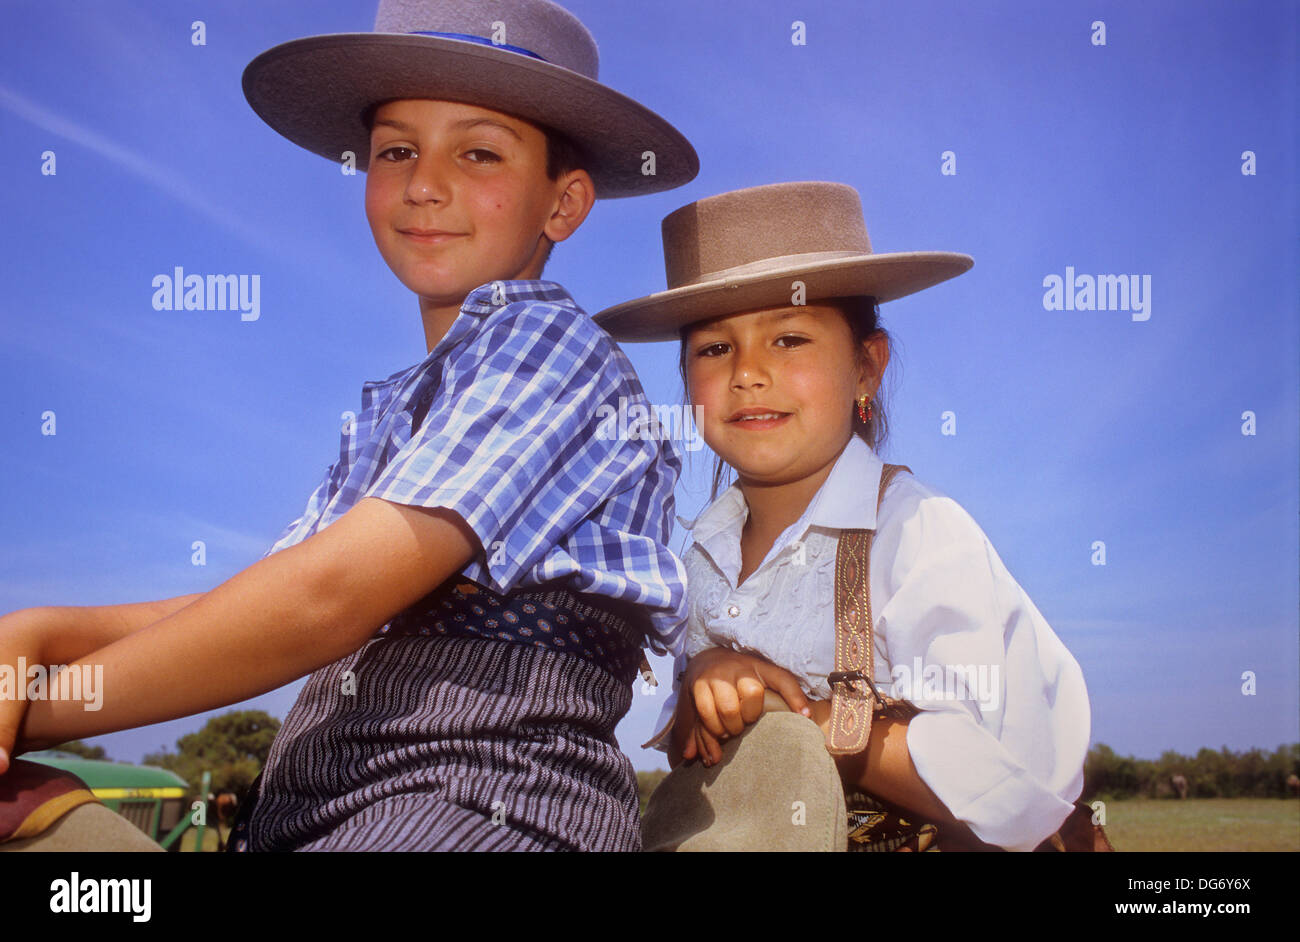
<point>733,610</point>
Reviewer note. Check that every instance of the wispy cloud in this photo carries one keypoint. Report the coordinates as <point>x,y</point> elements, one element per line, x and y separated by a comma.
<point>156,175</point>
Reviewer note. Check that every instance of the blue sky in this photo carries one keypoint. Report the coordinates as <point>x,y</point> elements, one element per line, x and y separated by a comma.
<point>1072,426</point>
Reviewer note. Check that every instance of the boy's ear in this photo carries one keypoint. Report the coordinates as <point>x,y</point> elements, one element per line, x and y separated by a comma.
<point>577,195</point>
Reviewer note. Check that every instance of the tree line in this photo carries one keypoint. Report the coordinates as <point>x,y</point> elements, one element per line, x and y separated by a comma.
<point>1223,773</point>
<point>234,747</point>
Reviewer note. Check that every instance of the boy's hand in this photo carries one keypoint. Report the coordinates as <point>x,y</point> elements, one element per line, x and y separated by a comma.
<point>726,690</point>
<point>19,637</point>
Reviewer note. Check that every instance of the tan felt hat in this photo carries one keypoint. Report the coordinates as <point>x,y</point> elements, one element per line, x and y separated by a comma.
<point>746,249</point>
<point>528,58</point>
<point>776,789</point>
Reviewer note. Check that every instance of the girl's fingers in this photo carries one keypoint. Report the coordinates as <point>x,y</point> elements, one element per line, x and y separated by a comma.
<point>682,747</point>
<point>705,711</point>
<point>687,716</point>
<point>710,748</point>
<point>726,701</point>
<point>682,735</point>
<point>751,691</point>
<point>787,685</point>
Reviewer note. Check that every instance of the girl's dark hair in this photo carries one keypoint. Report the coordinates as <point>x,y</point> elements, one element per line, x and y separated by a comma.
<point>863,317</point>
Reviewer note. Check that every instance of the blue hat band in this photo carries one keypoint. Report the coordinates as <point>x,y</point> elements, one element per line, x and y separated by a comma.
<point>468,37</point>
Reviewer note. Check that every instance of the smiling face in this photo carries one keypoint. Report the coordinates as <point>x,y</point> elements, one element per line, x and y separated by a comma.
<point>777,389</point>
<point>457,196</point>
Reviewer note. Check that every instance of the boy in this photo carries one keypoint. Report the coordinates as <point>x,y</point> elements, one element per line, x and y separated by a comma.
<point>470,584</point>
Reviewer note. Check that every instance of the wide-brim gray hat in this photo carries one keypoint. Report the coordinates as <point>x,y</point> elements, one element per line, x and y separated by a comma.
<point>764,246</point>
<point>528,58</point>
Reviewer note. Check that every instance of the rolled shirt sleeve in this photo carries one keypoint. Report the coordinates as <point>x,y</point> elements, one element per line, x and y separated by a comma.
<point>295,532</point>
<point>512,442</point>
<point>1006,754</point>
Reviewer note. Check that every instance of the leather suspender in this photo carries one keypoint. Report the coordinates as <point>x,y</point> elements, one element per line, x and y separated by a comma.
<point>854,697</point>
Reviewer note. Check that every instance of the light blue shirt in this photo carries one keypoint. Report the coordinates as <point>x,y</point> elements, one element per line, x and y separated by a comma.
<point>512,442</point>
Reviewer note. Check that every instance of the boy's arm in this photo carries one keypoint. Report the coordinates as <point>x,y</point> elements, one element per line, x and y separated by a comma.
<point>68,632</point>
<point>281,618</point>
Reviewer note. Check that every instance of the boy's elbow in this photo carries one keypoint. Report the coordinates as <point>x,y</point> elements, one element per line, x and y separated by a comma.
<point>310,603</point>
<point>336,619</point>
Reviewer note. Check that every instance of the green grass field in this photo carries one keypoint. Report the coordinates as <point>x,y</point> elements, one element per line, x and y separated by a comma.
<point>1197,824</point>
<point>1194,824</point>
<point>209,839</point>
<point>1204,824</point>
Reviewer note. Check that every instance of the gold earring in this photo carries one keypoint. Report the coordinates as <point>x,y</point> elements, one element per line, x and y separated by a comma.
<point>864,409</point>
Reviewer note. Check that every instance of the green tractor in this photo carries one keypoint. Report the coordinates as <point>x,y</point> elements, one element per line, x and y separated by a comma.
<point>151,798</point>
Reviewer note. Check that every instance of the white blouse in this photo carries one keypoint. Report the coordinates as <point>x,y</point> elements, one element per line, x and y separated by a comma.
<point>1005,722</point>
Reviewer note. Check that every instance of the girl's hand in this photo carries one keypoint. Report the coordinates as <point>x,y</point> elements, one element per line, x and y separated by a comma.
<point>681,738</point>
<point>821,715</point>
<point>726,694</point>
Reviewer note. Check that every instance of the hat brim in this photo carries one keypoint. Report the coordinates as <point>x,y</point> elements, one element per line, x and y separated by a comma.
<point>884,276</point>
<point>315,91</point>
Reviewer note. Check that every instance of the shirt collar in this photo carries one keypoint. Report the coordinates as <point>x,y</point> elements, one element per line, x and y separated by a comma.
<point>847,499</point>
<point>478,304</point>
<point>838,503</point>
<point>487,298</point>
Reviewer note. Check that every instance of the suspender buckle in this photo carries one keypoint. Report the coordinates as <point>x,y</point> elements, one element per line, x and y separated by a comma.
<point>844,677</point>
<point>849,677</point>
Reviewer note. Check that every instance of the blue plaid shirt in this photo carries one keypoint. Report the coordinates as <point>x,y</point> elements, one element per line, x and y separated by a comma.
<point>509,443</point>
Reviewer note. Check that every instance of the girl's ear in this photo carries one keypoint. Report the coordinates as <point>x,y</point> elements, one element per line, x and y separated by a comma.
<point>874,358</point>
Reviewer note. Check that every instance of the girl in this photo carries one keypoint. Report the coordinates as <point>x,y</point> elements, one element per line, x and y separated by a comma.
<point>773,293</point>
<point>470,585</point>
